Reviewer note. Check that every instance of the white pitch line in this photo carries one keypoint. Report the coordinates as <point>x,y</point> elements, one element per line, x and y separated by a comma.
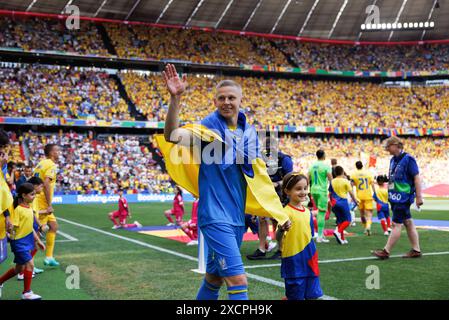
<point>144,244</point>
<point>279,284</point>
<point>345,260</point>
<point>263,266</point>
<point>67,236</point>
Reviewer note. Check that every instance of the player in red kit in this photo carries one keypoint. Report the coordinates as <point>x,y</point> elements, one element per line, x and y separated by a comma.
<point>177,210</point>
<point>122,214</point>
<point>190,227</point>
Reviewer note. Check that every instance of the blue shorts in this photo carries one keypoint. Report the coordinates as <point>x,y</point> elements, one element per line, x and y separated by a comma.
<point>342,212</point>
<point>22,257</point>
<point>401,212</point>
<point>223,244</point>
<point>383,213</point>
<point>306,288</point>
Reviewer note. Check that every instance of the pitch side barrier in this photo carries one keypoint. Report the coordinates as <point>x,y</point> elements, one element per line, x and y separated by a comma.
<point>113,198</point>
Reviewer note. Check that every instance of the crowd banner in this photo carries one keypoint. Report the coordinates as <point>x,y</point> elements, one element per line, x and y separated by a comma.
<point>280,128</point>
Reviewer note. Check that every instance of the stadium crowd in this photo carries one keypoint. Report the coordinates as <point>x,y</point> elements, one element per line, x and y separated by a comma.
<point>143,91</point>
<point>144,42</point>
<point>366,57</point>
<point>432,154</point>
<point>299,102</point>
<point>101,165</point>
<point>38,91</point>
<point>49,34</point>
<point>191,45</point>
<point>219,48</point>
<point>43,91</point>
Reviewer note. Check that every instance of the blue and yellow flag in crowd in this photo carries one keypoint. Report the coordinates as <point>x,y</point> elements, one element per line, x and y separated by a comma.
<point>183,163</point>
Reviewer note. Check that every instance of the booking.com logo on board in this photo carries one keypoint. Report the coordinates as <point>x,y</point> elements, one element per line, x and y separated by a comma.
<point>113,198</point>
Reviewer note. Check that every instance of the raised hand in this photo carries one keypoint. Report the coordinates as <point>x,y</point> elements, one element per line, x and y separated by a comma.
<point>40,245</point>
<point>175,85</point>
<point>286,226</point>
<point>419,202</point>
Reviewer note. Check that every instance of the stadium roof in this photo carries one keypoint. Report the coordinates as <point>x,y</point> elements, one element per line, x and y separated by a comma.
<point>326,19</point>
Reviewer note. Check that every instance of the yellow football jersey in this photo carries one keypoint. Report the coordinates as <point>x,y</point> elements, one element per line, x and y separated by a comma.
<point>341,187</point>
<point>46,169</point>
<point>362,180</point>
<point>382,194</point>
<point>22,220</point>
<point>300,233</point>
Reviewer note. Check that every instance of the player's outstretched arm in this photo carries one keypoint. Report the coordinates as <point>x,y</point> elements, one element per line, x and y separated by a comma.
<point>329,177</point>
<point>286,226</point>
<point>279,234</point>
<point>39,243</point>
<point>419,198</point>
<point>176,87</point>
<point>353,197</point>
<point>373,185</point>
<point>47,193</point>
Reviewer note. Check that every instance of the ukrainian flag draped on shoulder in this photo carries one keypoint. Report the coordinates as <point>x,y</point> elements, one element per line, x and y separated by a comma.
<point>183,163</point>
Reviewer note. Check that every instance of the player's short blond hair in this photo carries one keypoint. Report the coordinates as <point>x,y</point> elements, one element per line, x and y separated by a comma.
<point>392,141</point>
<point>228,83</point>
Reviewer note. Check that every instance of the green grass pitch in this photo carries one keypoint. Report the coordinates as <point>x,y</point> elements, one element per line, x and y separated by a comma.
<point>114,268</point>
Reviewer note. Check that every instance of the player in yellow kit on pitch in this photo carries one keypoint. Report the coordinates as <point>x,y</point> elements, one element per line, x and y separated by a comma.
<point>363,182</point>
<point>46,170</point>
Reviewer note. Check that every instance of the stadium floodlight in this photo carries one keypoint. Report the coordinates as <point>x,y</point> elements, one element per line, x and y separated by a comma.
<point>391,26</point>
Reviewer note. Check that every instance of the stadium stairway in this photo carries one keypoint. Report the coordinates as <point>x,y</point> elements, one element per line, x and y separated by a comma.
<point>286,55</point>
<point>420,99</point>
<point>106,40</point>
<point>157,156</point>
<point>131,106</point>
<point>26,150</point>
